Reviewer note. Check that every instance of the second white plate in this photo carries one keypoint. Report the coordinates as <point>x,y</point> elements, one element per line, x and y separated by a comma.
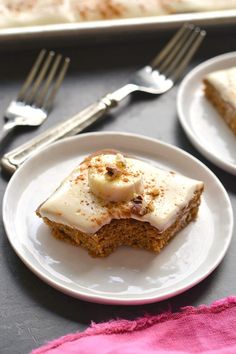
<point>127,276</point>
<point>200,120</point>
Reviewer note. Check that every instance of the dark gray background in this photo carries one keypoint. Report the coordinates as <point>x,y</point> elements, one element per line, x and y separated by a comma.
<point>31,311</point>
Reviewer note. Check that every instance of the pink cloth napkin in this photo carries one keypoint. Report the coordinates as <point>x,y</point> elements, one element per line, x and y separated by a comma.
<point>206,329</point>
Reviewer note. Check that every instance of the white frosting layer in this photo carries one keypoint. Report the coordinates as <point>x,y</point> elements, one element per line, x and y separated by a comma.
<point>74,205</point>
<point>37,12</point>
<point>224,82</point>
<point>14,13</point>
<point>179,6</point>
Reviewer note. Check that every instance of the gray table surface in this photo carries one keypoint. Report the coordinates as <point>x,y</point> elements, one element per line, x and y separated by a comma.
<point>31,312</point>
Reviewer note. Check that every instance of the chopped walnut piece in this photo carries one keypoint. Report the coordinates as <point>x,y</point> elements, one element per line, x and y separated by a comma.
<point>113,171</point>
<point>120,161</point>
<point>150,207</point>
<point>138,199</point>
<point>125,179</point>
<point>138,209</point>
<point>80,177</point>
<point>141,210</point>
<point>137,206</point>
<point>140,206</point>
<point>154,192</point>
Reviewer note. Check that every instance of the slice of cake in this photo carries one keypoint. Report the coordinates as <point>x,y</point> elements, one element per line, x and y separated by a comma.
<point>111,200</point>
<point>220,89</point>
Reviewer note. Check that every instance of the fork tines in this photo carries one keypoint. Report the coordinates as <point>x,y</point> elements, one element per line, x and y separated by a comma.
<point>44,80</point>
<point>175,56</point>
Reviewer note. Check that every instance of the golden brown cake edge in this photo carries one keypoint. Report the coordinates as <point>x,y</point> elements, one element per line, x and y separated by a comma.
<point>226,111</point>
<point>127,232</point>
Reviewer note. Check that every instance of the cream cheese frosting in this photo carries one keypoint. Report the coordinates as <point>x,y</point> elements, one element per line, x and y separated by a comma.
<point>165,193</point>
<point>224,82</point>
<point>16,13</point>
<point>178,6</point>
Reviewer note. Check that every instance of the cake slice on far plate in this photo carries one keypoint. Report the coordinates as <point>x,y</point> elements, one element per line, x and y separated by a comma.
<point>220,90</point>
<point>111,200</point>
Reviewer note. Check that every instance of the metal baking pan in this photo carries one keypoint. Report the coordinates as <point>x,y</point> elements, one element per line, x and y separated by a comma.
<point>111,27</point>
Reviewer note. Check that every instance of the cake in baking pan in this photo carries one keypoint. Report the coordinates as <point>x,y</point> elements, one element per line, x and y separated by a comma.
<point>16,13</point>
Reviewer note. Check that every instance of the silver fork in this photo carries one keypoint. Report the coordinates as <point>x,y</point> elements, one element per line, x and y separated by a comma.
<point>37,93</point>
<point>155,78</point>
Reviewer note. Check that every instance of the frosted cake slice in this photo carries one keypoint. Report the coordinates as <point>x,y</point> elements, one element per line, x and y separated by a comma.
<point>220,90</point>
<point>111,200</point>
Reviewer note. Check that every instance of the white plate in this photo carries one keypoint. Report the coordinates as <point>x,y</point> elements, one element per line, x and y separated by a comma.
<point>200,120</point>
<point>127,276</point>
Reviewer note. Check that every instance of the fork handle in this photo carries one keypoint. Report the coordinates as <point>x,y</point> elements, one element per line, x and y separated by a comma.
<point>13,159</point>
<point>6,129</point>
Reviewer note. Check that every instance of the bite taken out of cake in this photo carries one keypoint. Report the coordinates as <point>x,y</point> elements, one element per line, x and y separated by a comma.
<point>111,200</point>
<point>220,90</point>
